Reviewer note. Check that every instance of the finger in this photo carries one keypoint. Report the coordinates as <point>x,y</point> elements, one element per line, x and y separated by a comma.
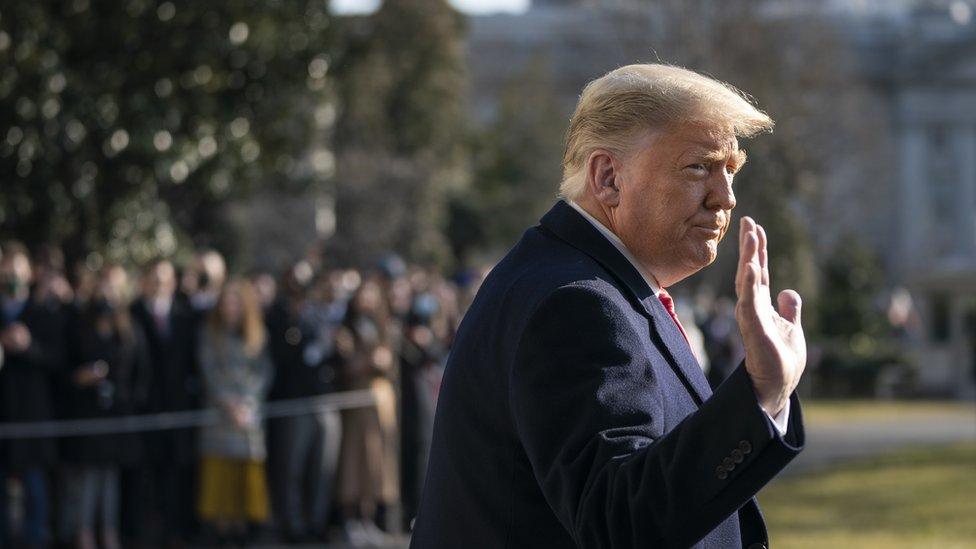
<point>746,225</point>
<point>789,304</point>
<point>763,256</point>
<point>749,268</point>
<point>738,266</point>
<point>749,283</point>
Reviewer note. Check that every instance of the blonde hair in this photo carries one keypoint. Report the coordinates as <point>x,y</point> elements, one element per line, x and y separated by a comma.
<point>616,107</point>
<point>251,327</point>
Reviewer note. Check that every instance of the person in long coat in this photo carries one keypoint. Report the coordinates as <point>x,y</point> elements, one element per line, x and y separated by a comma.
<point>31,333</point>
<point>162,506</point>
<point>422,356</point>
<point>573,411</point>
<point>237,373</point>
<point>304,448</point>
<point>368,473</point>
<point>107,376</point>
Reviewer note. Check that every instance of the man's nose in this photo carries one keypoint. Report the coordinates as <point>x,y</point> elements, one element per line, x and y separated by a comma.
<point>720,195</point>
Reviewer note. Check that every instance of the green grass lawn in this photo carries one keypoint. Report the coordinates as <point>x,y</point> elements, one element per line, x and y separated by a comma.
<point>822,411</point>
<point>918,498</point>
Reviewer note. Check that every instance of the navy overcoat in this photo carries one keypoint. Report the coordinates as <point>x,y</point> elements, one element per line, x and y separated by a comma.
<point>573,414</point>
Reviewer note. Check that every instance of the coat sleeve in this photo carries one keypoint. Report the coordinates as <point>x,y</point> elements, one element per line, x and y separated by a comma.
<point>588,409</point>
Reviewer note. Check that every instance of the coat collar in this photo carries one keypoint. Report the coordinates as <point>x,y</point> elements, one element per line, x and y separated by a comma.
<point>572,228</point>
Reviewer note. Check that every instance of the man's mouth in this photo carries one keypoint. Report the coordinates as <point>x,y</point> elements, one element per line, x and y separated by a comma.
<point>713,230</point>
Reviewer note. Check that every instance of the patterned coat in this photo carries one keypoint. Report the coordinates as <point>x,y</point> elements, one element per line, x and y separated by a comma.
<point>230,375</point>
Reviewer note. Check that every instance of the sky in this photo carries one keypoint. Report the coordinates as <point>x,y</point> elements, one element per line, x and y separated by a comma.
<point>467,6</point>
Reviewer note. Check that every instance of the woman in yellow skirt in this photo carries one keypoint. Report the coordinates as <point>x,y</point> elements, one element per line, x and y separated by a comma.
<point>237,371</point>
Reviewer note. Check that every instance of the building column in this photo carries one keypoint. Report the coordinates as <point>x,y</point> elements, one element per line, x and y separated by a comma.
<point>964,136</point>
<point>914,203</point>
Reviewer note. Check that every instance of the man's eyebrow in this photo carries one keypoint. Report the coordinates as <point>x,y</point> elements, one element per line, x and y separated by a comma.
<point>738,156</point>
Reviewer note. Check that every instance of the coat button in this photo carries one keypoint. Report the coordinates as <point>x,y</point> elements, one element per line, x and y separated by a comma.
<point>758,545</point>
<point>721,473</point>
<point>728,464</point>
<point>737,455</point>
<point>745,446</point>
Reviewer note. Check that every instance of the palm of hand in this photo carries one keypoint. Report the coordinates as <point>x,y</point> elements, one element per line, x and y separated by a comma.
<point>776,351</point>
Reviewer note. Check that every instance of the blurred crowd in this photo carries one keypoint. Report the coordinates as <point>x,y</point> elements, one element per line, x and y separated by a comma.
<point>103,341</point>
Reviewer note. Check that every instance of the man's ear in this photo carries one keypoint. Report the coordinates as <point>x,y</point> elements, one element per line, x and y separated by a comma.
<point>602,175</point>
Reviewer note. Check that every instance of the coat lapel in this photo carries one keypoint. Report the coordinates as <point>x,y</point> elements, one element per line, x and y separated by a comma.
<point>568,225</point>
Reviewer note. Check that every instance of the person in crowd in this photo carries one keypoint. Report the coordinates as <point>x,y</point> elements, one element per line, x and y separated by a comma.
<point>267,288</point>
<point>684,308</point>
<point>32,336</point>
<point>108,374</point>
<point>395,282</point>
<point>202,282</point>
<point>368,469</point>
<point>399,296</point>
<point>50,285</point>
<point>304,449</point>
<point>50,282</point>
<point>3,476</point>
<point>722,341</point>
<point>449,314</point>
<point>237,373</point>
<point>166,480</point>
<point>84,280</point>
<point>422,355</point>
<point>4,516</point>
<point>467,280</point>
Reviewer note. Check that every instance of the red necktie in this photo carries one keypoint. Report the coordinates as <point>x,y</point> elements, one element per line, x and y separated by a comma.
<point>668,303</point>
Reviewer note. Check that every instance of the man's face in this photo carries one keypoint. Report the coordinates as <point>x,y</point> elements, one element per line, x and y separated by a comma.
<point>160,281</point>
<point>15,275</point>
<point>676,199</point>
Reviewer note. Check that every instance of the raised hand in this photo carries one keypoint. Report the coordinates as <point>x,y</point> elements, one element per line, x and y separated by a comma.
<point>776,351</point>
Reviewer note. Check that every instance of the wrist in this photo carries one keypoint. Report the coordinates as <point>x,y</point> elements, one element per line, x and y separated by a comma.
<point>775,404</point>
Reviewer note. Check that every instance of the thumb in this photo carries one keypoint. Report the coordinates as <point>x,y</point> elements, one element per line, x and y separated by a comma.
<point>789,304</point>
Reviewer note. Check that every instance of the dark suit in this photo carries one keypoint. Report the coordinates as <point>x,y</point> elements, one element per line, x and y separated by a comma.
<point>163,499</point>
<point>175,383</point>
<point>27,381</point>
<point>572,413</point>
<point>121,393</point>
<point>303,450</point>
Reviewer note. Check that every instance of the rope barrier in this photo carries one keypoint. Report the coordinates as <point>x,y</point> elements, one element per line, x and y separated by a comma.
<point>181,419</point>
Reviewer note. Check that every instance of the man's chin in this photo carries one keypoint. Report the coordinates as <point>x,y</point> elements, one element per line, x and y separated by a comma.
<point>706,255</point>
<point>703,257</point>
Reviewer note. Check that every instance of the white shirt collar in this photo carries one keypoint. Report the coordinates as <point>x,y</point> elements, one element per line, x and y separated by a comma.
<point>619,244</point>
<point>161,305</point>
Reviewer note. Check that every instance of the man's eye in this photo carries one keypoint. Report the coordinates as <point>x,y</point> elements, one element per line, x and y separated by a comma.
<point>730,169</point>
<point>700,168</point>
